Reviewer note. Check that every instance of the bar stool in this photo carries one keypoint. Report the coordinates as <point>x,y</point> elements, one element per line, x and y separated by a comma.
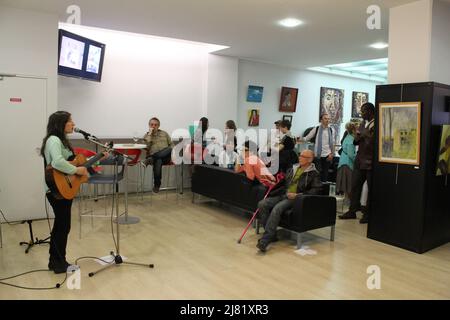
<point>168,167</point>
<point>166,178</point>
<point>135,155</point>
<point>102,179</point>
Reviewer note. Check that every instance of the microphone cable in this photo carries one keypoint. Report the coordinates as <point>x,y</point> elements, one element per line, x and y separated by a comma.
<point>6,220</point>
<point>57,286</point>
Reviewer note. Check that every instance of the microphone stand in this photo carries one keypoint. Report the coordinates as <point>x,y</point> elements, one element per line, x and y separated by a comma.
<point>117,257</point>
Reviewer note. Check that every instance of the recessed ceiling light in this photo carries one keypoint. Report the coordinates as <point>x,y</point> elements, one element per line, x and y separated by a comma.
<point>379,45</point>
<point>290,22</point>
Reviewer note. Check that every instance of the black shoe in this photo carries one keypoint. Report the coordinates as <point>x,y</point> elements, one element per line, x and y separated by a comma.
<point>262,245</point>
<point>156,189</point>
<point>148,161</point>
<point>348,215</point>
<point>364,219</point>
<point>58,267</point>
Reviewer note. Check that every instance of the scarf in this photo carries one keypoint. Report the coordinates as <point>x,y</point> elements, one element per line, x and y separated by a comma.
<point>319,143</point>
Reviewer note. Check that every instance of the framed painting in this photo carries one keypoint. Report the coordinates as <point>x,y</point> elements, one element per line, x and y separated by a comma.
<point>253,117</point>
<point>288,101</point>
<point>358,99</point>
<point>443,166</point>
<point>332,103</point>
<point>288,118</point>
<point>399,133</point>
<point>254,94</point>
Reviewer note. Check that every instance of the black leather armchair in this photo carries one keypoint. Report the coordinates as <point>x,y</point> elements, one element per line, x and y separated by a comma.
<point>309,212</point>
<point>226,186</point>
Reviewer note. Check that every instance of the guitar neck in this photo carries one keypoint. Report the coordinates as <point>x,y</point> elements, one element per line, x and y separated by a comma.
<point>93,160</point>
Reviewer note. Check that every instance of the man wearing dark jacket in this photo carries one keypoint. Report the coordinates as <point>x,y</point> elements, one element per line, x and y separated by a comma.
<point>301,179</point>
<point>362,170</point>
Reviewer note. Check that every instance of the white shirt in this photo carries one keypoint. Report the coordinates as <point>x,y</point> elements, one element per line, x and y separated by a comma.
<point>326,148</point>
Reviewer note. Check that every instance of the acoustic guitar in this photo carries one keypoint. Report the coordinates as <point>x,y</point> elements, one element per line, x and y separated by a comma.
<point>66,186</point>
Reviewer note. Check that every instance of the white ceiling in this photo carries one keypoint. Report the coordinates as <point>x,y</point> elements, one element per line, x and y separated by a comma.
<point>334,31</point>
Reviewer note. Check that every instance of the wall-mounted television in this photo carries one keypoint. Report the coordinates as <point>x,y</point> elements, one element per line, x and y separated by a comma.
<point>80,57</point>
<point>443,166</point>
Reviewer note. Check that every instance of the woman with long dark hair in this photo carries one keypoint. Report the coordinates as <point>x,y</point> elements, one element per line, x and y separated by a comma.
<point>56,150</point>
<point>199,136</point>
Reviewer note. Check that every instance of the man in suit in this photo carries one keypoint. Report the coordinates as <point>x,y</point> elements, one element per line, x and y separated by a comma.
<point>362,170</point>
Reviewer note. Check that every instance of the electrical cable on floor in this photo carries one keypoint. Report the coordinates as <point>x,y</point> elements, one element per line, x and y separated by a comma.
<point>6,220</point>
<point>112,224</point>
<point>46,213</point>
<point>57,286</point>
<point>95,258</point>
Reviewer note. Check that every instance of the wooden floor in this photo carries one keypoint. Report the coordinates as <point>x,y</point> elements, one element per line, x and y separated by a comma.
<point>196,256</point>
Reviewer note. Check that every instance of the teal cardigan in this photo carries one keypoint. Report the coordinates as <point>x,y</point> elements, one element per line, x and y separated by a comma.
<point>348,152</point>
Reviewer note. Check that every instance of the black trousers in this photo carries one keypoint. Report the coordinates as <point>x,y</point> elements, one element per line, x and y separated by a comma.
<point>61,228</point>
<point>359,176</point>
<point>323,165</point>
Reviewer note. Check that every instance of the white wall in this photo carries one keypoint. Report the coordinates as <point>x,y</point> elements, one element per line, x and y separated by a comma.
<point>145,76</point>
<point>273,77</point>
<point>29,46</point>
<point>440,43</point>
<point>222,90</point>
<point>410,42</point>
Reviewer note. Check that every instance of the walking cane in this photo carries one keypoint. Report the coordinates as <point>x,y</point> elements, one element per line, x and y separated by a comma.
<point>279,178</point>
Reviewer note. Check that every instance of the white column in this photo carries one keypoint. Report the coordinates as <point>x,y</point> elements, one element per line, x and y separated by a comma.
<point>419,42</point>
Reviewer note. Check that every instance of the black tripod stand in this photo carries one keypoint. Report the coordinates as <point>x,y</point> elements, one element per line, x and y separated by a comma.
<point>117,258</point>
<point>32,242</point>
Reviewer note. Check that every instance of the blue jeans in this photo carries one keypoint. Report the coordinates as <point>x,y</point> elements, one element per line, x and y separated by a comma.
<point>159,158</point>
<point>271,209</point>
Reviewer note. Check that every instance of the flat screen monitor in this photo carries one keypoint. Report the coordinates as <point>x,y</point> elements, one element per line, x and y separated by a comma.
<point>80,57</point>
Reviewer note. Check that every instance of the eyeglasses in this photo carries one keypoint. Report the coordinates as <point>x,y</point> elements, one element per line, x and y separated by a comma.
<point>305,157</point>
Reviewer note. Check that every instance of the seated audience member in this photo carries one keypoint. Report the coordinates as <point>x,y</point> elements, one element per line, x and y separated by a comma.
<point>199,136</point>
<point>301,179</point>
<point>323,137</point>
<point>230,135</point>
<point>346,160</point>
<point>288,156</point>
<point>253,167</point>
<point>273,142</point>
<point>228,157</point>
<point>159,149</point>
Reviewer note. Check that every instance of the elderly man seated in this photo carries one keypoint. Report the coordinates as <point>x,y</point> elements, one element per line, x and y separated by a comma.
<point>301,179</point>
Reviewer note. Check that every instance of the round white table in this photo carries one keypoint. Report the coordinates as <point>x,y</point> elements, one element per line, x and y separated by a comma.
<point>126,219</point>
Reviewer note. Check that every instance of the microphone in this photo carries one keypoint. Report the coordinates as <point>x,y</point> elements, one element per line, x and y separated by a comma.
<point>85,134</point>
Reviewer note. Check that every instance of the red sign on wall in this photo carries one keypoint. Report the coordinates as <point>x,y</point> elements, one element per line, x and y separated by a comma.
<point>15,100</point>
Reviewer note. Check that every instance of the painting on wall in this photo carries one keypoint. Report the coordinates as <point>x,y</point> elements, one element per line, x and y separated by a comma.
<point>443,166</point>
<point>332,103</point>
<point>399,133</point>
<point>255,93</point>
<point>253,117</point>
<point>288,118</point>
<point>358,99</point>
<point>288,101</point>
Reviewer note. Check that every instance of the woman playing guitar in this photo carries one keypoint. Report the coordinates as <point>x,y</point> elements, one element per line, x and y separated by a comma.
<point>56,151</point>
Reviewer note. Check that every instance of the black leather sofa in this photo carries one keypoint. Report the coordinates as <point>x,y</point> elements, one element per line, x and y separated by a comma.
<point>309,212</point>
